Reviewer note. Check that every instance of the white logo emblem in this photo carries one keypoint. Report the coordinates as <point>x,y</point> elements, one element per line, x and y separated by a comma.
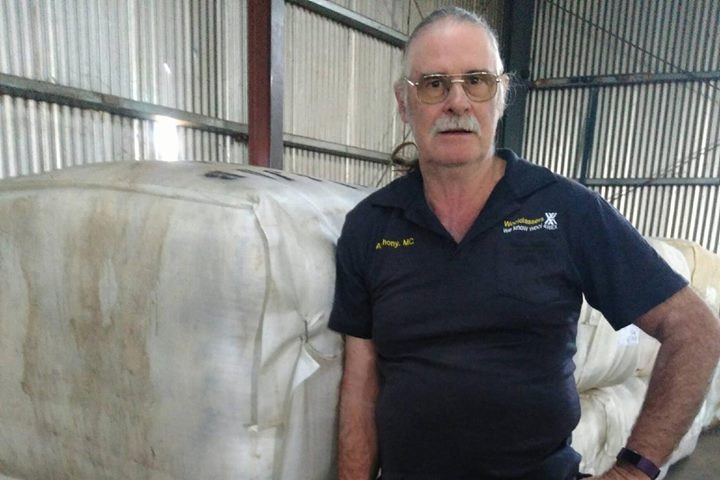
<point>550,222</point>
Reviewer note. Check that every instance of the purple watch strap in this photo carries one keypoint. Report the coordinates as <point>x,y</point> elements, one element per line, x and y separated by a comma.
<point>638,461</point>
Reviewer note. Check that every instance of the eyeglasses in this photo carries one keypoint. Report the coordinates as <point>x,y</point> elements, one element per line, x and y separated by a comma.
<point>435,87</point>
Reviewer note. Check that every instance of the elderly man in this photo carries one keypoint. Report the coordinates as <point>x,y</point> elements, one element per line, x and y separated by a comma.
<point>459,288</point>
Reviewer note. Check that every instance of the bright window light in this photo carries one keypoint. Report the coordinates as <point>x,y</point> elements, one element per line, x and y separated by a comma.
<point>166,139</point>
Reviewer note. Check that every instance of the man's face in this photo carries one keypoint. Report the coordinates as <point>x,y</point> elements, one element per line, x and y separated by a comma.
<point>450,47</point>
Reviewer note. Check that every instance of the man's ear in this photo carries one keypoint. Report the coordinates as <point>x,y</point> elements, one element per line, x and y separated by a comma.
<point>400,96</point>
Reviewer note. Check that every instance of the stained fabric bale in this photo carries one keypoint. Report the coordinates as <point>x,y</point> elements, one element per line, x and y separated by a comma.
<point>167,321</point>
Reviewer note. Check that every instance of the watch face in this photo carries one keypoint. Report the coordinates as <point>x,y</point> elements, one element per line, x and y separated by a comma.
<point>629,456</point>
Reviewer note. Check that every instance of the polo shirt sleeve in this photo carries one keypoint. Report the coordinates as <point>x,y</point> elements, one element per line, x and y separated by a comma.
<point>351,312</point>
<point>621,274</point>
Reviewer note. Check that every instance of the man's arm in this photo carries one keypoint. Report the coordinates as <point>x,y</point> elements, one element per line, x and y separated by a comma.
<point>357,445</point>
<point>689,334</point>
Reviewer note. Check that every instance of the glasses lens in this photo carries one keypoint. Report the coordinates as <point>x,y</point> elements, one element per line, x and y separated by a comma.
<point>433,89</point>
<point>479,86</point>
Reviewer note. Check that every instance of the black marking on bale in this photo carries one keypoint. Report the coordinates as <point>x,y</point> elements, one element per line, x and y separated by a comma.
<point>280,175</point>
<point>259,174</point>
<point>310,177</point>
<point>223,175</point>
<point>345,185</point>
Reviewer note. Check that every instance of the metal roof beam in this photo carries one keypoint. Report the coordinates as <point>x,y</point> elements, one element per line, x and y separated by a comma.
<point>655,182</point>
<point>74,97</point>
<point>627,79</point>
<point>78,98</point>
<point>337,149</point>
<point>353,20</point>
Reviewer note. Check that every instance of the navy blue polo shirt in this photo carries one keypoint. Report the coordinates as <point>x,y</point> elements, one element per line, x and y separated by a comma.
<point>475,339</point>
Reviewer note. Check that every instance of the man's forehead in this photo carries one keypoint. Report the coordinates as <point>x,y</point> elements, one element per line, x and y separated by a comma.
<point>449,44</point>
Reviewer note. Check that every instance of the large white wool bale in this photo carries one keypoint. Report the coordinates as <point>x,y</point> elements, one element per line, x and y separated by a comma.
<point>705,270</point>
<point>608,414</point>
<point>168,321</point>
<point>604,357</point>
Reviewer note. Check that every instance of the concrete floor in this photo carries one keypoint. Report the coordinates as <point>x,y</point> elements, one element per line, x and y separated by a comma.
<point>704,463</point>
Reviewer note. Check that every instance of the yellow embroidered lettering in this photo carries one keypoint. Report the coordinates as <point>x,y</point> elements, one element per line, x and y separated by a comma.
<point>405,242</point>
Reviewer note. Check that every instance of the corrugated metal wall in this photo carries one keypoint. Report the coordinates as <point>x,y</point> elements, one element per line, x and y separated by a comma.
<point>393,14</point>
<point>652,149</point>
<point>338,88</point>
<point>185,54</point>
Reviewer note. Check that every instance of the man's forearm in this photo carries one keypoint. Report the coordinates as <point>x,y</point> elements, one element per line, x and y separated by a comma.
<point>686,360</point>
<point>672,402</point>
<point>357,439</point>
<point>677,388</point>
<point>357,442</point>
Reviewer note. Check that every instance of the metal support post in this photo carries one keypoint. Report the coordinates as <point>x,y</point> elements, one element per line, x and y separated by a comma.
<point>517,39</point>
<point>265,82</point>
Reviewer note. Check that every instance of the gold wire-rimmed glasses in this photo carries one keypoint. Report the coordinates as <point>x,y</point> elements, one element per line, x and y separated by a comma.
<point>435,87</point>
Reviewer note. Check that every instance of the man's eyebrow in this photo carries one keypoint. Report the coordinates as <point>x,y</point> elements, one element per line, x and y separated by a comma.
<point>466,72</point>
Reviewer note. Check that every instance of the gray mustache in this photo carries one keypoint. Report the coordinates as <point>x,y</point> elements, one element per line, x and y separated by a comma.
<point>465,122</point>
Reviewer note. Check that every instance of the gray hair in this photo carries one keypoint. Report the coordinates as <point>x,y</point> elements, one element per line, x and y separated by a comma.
<point>459,15</point>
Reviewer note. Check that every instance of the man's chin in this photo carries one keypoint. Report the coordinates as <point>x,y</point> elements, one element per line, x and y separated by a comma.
<point>454,164</point>
<point>457,162</point>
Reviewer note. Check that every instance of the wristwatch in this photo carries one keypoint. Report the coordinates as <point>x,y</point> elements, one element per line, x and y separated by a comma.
<point>638,461</point>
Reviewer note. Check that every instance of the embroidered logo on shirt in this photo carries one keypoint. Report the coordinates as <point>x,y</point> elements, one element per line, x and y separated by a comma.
<point>550,222</point>
<point>524,224</point>
<point>385,243</point>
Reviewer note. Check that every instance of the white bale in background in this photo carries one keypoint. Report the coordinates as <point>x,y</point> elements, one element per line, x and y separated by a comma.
<point>168,321</point>
<point>605,357</point>
<point>705,267</point>
<point>608,414</point>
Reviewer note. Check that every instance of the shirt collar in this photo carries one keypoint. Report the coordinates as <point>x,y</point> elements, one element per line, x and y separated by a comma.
<point>522,178</point>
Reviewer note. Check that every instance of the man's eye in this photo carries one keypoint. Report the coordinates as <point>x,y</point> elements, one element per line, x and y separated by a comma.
<point>434,83</point>
<point>474,79</point>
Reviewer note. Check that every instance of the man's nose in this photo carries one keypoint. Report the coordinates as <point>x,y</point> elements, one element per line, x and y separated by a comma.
<point>457,101</point>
